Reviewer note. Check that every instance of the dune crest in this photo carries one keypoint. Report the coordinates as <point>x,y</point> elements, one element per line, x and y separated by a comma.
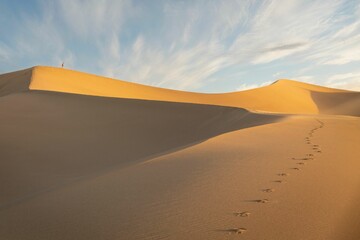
<point>283,96</point>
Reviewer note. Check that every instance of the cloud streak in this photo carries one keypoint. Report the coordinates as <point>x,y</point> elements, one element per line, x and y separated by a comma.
<point>189,44</point>
<point>345,81</point>
<point>286,47</point>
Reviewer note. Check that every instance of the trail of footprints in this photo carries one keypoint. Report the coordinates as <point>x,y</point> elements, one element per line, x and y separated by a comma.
<point>300,162</point>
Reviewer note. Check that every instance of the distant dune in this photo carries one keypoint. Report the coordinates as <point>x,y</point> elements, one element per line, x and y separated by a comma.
<point>89,157</point>
<point>283,96</point>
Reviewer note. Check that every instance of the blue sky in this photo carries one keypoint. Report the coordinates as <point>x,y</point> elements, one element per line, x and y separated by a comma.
<point>193,45</point>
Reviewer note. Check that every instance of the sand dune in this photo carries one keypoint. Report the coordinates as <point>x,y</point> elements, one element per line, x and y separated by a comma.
<point>284,96</point>
<point>15,82</point>
<point>88,157</point>
<point>48,138</point>
<point>343,103</point>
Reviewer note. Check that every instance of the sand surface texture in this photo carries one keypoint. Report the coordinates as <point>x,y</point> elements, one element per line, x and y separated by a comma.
<point>87,157</point>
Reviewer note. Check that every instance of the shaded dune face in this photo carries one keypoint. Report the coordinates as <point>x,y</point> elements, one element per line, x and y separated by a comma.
<point>14,82</point>
<point>49,139</point>
<point>340,103</point>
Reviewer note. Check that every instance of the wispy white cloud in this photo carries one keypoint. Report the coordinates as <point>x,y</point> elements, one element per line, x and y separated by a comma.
<point>350,81</point>
<point>187,44</point>
<point>251,32</point>
<point>92,18</point>
<point>245,86</point>
<point>305,78</point>
<point>282,24</point>
<point>110,56</point>
<point>277,74</point>
<point>5,52</point>
<point>342,43</point>
<point>275,53</point>
<point>179,69</point>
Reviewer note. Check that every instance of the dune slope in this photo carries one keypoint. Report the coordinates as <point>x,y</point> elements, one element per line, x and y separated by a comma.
<point>87,157</point>
<point>284,96</point>
<point>340,103</point>
<point>197,193</point>
<point>49,139</point>
<point>15,82</point>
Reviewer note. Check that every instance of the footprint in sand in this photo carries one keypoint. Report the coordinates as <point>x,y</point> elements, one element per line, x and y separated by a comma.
<point>236,230</point>
<point>310,154</point>
<point>301,163</point>
<point>279,181</point>
<point>283,174</point>
<point>265,200</point>
<point>242,214</point>
<point>268,190</point>
<point>307,158</point>
<point>295,168</point>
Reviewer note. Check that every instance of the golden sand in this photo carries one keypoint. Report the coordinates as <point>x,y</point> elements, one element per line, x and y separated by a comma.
<point>86,157</point>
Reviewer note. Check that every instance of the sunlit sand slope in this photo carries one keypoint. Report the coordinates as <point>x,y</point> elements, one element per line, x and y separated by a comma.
<point>284,96</point>
<point>249,180</point>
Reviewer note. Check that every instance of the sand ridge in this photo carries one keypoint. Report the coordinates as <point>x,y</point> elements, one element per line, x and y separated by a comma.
<point>283,96</point>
